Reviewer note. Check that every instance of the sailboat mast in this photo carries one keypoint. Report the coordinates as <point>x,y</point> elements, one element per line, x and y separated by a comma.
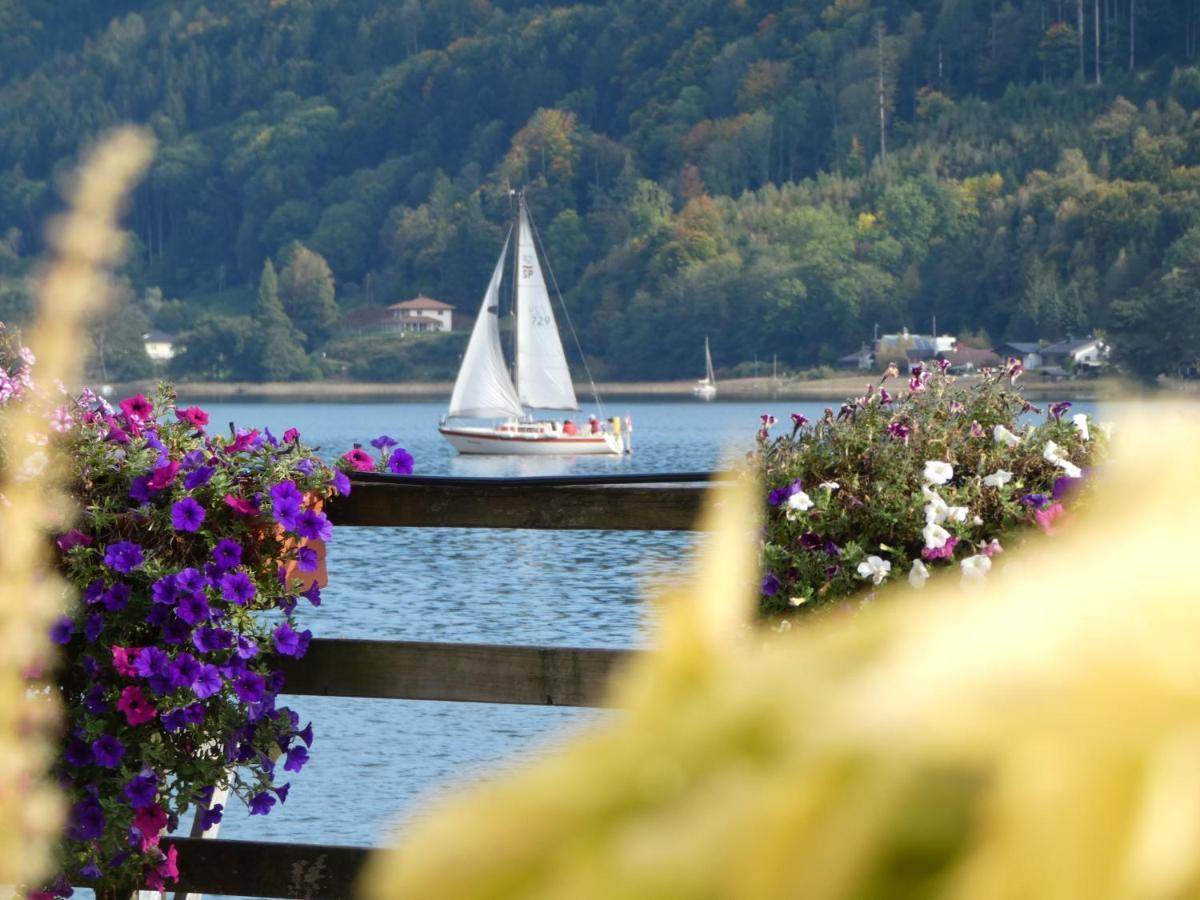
<point>516,285</point>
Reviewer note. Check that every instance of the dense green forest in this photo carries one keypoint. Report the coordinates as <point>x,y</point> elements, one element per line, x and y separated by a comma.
<point>782,177</point>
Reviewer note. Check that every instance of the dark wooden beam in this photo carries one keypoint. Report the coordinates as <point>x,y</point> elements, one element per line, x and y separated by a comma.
<point>267,869</point>
<point>480,673</point>
<point>632,503</point>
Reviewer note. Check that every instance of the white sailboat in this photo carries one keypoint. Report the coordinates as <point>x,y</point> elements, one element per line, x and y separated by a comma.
<point>706,387</point>
<point>541,380</point>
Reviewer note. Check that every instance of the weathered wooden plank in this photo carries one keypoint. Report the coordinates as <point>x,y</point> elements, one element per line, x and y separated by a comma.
<point>627,505</point>
<point>267,869</point>
<point>480,673</point>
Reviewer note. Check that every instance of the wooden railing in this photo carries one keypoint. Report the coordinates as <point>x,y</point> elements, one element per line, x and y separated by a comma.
<point>416,670</point>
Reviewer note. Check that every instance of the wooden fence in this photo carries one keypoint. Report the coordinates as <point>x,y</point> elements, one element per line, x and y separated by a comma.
<point>417,670</point>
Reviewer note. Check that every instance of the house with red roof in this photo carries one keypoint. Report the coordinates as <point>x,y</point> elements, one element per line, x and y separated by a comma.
<point>422,314</point>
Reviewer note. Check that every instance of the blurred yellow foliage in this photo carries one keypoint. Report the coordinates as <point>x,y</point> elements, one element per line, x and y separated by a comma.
<point>1037,739</point>
<point>85,243</point>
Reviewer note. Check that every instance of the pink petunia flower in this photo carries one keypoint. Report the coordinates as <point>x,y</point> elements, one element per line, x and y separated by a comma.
<point>1045,517</point>
<point>123,660</point>
<point>194,416</point>
<point>360,460</point>
<point>136,707</point>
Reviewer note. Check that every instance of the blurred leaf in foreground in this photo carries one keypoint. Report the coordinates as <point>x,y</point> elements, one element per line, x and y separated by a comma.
<point>1036,739</point>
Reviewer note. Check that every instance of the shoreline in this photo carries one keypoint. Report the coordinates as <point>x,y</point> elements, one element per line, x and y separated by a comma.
<point>830,389</point>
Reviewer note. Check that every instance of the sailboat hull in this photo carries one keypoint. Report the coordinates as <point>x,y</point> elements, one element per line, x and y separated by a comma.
<point>508,440</point>
<point>705,391</point>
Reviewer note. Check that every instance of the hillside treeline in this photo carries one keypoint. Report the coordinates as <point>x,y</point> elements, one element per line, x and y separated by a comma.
<point>783,179</point>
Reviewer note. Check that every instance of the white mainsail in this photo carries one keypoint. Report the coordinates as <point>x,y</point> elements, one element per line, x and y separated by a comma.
<point>543,379</point>
<point>483,388</point>
<point>709,376</point>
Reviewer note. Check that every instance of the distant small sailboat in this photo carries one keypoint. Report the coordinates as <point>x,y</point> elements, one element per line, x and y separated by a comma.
<point>541,380</point>
<point>706,387</point>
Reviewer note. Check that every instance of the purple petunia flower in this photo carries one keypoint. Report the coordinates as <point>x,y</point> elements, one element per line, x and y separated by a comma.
<point>313,524</point>
<point>246,648</point>
<point>142,789</point>
<point>208,681</point>
<point>770,584</point>
<point>139,489</point>
<point>187,515</point>
<point>305,467</point>
<point>312,594</point>
<point>211,816</point>
<point>249,687</point>
<point>108,751</point>
<point>87,820</point>
<point>289,643</point>
<point>164,590</point>
<point>227,554</point>
<point>123,556</point>
<point>306,734</point>
<point>116,598</point>
<point>191,579</point>
<point>93,627</point>
<point>282,792</point>
<point>183,671</point>
<point>62,629</point>
<point>94,701</point>
<point>341,483</point>
<point>1057,409</point>
<point>400,462</point>
<point>307,559</point>
<point>261,804</point>
<point>210,640</point>
<point>236,587</point>
<point>90,870</point>
<point>73,538</point>
<point>779,495</point>
<point>193,608</point>
<point>296,758</point>
<point>1037,501</point>
<point>384,442</point>
<point>175,631</point>
<point>198,477</point>
<point>285,491</point>
<point>77,753</point>
<point>192,459</point>
<point>174,720</point>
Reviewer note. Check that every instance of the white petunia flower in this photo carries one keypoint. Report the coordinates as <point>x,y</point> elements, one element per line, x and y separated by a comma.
<point>938,472</point>
<point>936,509</point>
<point>797,601</point>
<point>935,536</point>
<point>830,486</point>
<point>998,478</point>
<point>976,521</point>
<point>1070,469</point>
<point>798,503</point>
<point>1003,436</point>
<point>1051,453</point>
<point>918,574</point>
<point>974,568</point>
<point>1081,425</point>
<point>874,568</point>
<point>957,513</point>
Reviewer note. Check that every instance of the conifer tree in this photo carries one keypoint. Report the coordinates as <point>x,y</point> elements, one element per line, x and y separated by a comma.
<point>281,356</point>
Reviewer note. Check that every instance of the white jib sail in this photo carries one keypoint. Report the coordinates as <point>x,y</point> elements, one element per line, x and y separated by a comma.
<point>543,379</point>
<point>483,388</point>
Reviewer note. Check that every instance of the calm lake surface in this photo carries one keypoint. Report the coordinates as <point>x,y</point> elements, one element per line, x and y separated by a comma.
<point>376,762</point>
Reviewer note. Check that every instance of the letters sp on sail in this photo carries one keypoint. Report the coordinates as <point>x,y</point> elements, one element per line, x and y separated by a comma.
<point>543,379</point>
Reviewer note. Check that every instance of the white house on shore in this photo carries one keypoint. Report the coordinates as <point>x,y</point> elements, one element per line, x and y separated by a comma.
<point>160,346</point>
<point>422,314</point>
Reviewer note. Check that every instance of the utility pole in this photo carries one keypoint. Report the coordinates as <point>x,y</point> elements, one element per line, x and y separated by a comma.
<point>1096,29</point>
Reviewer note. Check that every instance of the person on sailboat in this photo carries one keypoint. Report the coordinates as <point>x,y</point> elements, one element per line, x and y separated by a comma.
<point>569,427</point>
<point>595,424</point>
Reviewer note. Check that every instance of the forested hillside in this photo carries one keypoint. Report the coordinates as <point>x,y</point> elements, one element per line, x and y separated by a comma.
<point>781,179</point>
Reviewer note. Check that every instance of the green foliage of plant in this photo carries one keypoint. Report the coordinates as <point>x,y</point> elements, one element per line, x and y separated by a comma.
<point>933,481</point>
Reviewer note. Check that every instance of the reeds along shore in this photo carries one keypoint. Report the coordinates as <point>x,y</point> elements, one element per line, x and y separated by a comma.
<point>735,389</point>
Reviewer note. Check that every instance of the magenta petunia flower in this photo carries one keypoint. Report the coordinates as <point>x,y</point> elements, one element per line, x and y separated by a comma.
<point>360,460</point>
<point>137,408</point>
<point>163,476</point>
<point>136,707</point>
<point>194,416</point>
<point>245,507</point>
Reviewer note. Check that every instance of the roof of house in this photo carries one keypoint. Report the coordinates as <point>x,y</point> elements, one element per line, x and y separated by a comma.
<point>1021,346</point>
<point>421,303</point>
<point>1070,345</point>
<point>158,337</point>
<point>975,356</point>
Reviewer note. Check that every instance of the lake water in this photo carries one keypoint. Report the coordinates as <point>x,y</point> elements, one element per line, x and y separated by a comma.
<point>375,762</point>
